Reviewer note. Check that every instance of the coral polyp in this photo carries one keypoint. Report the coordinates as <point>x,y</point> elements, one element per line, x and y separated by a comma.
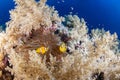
<point>38,44</point>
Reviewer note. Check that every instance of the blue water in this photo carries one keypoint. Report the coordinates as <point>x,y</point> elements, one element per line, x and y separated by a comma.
<point>98,13</point>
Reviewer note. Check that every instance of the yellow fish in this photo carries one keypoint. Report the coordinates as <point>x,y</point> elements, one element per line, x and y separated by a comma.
<point>41,50</point>
<point>63,48</point>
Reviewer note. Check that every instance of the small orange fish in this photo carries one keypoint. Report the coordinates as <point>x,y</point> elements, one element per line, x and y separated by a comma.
<point>63,47</point>
<point>41,50</point>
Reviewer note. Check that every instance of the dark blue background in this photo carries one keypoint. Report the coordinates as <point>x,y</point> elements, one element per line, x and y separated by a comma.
<point>97,13</point>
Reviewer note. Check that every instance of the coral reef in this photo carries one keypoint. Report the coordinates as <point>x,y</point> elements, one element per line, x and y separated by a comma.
<point>85,56</point>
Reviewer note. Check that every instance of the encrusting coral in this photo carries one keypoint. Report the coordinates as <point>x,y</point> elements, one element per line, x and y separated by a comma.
<point>38,44</point>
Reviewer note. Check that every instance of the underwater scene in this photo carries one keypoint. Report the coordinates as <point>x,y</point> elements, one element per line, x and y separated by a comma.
<point>59,40</point>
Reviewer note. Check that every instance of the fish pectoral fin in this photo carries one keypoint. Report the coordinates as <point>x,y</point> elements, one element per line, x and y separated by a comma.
<point>38,50</point>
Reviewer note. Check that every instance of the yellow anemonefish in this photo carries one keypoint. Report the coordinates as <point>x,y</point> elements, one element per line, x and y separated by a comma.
<point>63,47</point>
<point>41,50</point>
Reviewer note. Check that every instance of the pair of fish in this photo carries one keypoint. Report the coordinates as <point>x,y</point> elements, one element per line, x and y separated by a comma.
<point>43,49</point>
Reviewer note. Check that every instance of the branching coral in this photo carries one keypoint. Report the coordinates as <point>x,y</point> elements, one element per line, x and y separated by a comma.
<point>93,56</point>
